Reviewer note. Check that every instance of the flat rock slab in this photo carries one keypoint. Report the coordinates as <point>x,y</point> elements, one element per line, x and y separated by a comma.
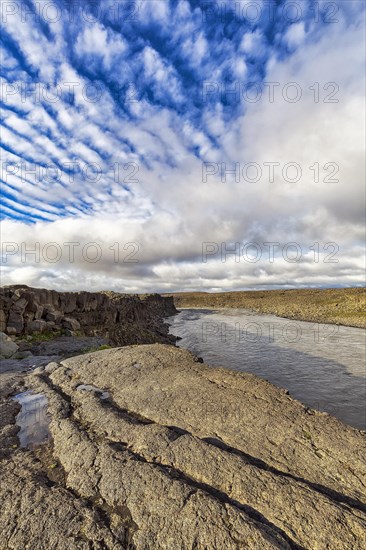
<point>67,345</point>
<point>170,453</point>
<point>45,352</point>
<point>16,365</point>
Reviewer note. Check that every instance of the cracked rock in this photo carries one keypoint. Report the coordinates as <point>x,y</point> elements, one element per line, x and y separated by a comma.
<point>162,452</point>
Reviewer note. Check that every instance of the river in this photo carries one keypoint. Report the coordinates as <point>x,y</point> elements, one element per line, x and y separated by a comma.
<point>324,366</point>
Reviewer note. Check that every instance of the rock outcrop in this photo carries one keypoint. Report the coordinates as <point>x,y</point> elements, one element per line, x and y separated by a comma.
<point>122,318</point>
<point>7,346</point>
<point>156,450</point>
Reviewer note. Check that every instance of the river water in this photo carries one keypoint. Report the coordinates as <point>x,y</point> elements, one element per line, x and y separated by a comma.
<point>324,366</point>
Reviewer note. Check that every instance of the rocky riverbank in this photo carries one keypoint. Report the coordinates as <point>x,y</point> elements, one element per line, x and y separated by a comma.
<point>341,306</point>
<point>150,448</point>
<point>38,325</point>
<point>121,318</point>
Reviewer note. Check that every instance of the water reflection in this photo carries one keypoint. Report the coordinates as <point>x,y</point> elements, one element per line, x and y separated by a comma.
<point>321,365</point>
<point>32,419</point>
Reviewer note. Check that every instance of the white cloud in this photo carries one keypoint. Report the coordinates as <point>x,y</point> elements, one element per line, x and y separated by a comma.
<point>295,35</point>
<point>99,42</point>
<point>154,10</point>
<point>253,43</point>
<point>170,211</point>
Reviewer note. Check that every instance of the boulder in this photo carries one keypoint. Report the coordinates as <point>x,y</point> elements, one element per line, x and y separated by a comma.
<point>39,312</point>
<point>28,316</point>
<point>68,302</point>
<point>20,305</point>
<point>37,326</point>
<point>51,367</point>
<point>70,323</point>
<point>15,321</point>
<point>7,346</point>
<point>22,355</point>
<point>54,316</point>
<point>3,318</point>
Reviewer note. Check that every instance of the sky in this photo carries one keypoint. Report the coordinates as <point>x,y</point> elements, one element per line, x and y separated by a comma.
<point>182,145</point>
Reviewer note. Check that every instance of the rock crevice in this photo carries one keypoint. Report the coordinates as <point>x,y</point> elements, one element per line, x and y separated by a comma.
<point>165,452</point>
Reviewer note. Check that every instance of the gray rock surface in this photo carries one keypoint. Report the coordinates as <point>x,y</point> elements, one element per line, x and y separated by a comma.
<point>15,365</point>
<point>2,320</point>
<point>70,323</point>
<point>7,346</point>
<point>66,345</point>
<point>38,514</point>
<point>179,455</point>
<point>39,325</point>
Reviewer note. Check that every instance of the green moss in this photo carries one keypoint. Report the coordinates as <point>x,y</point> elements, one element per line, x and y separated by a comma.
<point>43,336</point>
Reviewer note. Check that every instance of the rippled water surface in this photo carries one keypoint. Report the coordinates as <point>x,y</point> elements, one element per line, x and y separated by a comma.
<point>321,365</point>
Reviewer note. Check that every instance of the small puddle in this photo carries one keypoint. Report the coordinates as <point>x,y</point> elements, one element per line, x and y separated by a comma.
<point>88,387</point>
<point>32,419</point>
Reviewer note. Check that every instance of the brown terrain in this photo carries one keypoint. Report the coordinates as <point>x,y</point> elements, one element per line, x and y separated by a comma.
<point>341,306</point>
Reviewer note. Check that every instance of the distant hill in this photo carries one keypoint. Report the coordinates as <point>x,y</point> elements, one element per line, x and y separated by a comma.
<point>341,306</point>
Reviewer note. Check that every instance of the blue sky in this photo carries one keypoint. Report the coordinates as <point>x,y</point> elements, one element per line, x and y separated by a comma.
<point>119,119</point>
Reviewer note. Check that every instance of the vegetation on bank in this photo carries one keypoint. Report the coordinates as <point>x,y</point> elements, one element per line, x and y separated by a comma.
<point>36,337</point>
<point>341,306</point>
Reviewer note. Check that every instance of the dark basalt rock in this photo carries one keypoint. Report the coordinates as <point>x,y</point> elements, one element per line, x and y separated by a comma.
<point>121,318</point>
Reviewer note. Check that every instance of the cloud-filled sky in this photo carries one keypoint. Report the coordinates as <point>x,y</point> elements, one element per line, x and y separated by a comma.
<point>171,145</point>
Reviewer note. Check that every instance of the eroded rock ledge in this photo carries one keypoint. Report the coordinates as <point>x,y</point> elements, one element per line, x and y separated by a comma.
<point>180,455</point>
<point>121,318</point>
